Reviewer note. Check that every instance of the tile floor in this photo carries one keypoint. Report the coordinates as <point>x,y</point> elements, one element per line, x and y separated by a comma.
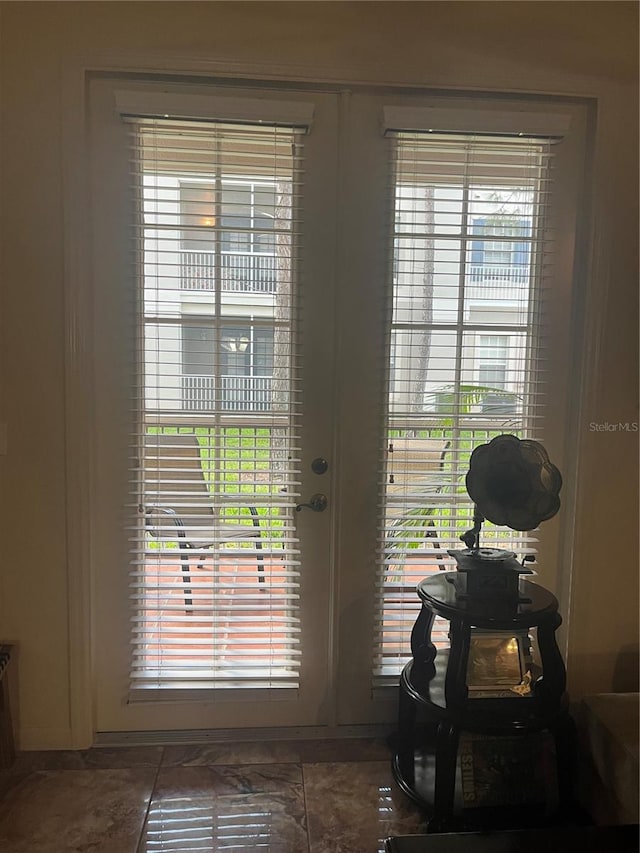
<point>323,796</point>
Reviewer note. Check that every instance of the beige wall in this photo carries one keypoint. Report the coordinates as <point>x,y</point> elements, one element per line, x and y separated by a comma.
<point>574,48</point>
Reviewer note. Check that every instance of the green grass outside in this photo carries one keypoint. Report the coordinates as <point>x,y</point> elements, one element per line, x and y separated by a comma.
<point>245,452</point>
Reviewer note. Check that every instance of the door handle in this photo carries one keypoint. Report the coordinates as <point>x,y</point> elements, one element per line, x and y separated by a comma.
<point>317,502</point>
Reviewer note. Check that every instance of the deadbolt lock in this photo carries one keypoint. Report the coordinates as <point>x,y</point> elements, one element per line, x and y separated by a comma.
<point>319,465</point>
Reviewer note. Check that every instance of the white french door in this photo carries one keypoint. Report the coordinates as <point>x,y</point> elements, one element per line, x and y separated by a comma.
<point>215,339</point>
<point>184,637</point>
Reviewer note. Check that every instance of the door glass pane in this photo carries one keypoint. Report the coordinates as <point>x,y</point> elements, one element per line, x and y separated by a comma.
<point>463,360</point>
<point>197,216</point>
<point>197,350</point>
<point>264,218</point>
<point>214,580</point>
<point>236,215</point>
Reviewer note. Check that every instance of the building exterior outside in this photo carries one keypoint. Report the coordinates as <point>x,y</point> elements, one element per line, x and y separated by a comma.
<point>189,253</point>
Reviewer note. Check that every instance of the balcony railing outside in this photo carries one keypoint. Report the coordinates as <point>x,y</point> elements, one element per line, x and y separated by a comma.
<point>250,272</point>
<point>241,272</point>
<point>237,393</point>
<point>497,283</point>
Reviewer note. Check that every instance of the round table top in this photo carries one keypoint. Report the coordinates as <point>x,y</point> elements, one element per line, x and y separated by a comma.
<point>536,604</point>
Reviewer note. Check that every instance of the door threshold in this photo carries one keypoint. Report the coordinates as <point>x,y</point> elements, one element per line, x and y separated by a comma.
<point>163,738</point>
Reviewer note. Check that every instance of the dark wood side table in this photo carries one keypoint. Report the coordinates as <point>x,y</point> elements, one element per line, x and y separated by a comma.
<point>435,684</point>
<point>594,839</point>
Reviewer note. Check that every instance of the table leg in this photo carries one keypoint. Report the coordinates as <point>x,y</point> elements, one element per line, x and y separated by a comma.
<point>422,647</point>
<point>564,736</point>
<point>553,683</point>
<point>455,685</point>
<point>446,755</point>
<point>406,737</point>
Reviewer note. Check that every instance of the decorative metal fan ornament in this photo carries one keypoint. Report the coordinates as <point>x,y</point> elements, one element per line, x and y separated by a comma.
<point>512,484</point>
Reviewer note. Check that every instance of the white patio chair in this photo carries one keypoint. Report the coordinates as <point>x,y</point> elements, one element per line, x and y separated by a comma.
<point>177,505</point>
<point>415,476</point>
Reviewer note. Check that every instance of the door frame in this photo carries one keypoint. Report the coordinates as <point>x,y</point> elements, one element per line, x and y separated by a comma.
<point>79,355</point>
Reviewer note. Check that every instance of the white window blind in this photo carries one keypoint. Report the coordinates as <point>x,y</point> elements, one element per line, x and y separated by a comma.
<point>214,578</point>
<point>466,354</point>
